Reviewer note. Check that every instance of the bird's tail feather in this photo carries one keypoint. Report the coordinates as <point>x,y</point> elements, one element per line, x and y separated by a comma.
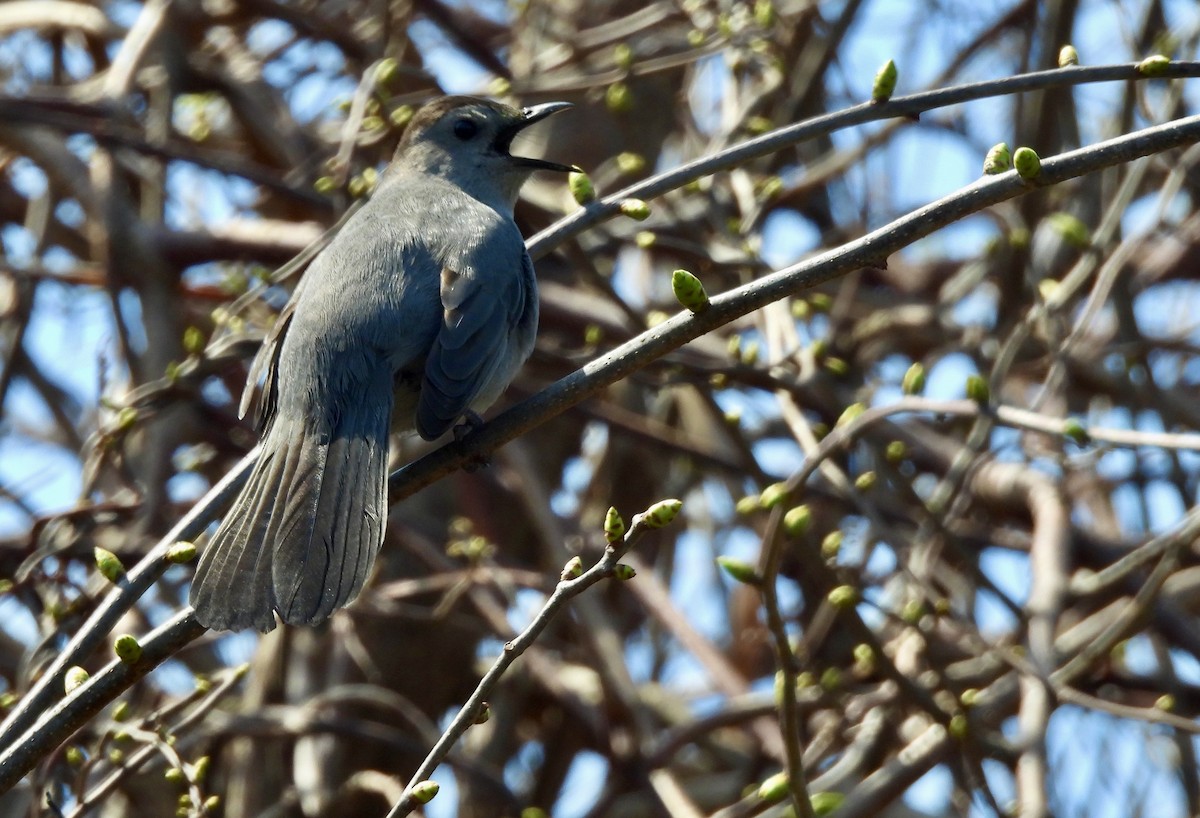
<point>302,536</point>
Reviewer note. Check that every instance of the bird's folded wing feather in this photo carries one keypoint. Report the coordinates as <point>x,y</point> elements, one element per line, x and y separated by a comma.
<point>480,314</point>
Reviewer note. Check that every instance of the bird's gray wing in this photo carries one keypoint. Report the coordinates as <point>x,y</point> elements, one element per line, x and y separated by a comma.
<point>480,313</point>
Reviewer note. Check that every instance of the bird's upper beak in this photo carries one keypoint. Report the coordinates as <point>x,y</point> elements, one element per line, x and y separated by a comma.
<point>530,115</point>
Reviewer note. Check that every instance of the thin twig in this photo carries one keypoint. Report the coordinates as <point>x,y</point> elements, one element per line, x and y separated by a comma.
<point>563,593</point>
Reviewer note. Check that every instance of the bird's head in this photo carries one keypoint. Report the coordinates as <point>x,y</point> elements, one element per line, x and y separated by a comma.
<point>468,140</point>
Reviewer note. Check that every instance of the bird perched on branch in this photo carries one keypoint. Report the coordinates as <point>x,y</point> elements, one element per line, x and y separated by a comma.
<point>420,311</point>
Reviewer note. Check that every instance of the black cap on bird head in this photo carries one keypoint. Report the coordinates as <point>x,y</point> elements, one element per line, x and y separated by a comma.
<point>443,130</point>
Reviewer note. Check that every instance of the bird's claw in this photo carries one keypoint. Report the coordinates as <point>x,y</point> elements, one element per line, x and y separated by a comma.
<point>471,422</point>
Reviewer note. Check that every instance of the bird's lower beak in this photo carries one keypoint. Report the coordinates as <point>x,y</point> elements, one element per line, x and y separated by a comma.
<point>529,116</point>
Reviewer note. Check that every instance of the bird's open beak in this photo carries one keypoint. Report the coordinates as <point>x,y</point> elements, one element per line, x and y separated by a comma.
<point>530,115</point>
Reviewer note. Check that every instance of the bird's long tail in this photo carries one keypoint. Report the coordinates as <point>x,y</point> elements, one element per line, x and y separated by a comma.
<point>302,536</point>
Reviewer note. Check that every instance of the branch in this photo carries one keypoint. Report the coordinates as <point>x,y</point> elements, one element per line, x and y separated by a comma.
<point>103,619</point>
<point>567,589</point>
<point>869,250</point>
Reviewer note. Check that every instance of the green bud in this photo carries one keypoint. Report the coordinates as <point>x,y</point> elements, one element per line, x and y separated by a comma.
<point>629,162</point>
<point>689,291</point>
<point>193,340</point>
<point>623,56</point>
<point>533,812</point>
<point>850,414</point>
<point>484,714</point>
<point>1067,55</point>
<point>618,98</point>
<point>1018,238</point>
<point>821,302</point>
<point>863,652</point>
<point>175,775</point>
<point>770,190</point>
<point>181,552</point>
<point>211,803</point>
<point>8,699</point>
<point>739,570</point>
<point>580,185</point>
<point>998,159</point>
<point>797,520</point>
<point>764,13</point>
<point>74,677</point>
<point>824,803</point>
<point>800,309</point>
<point>1071,228</point>
<point>885,82</point>
<point>370,124</point>
<point>1027,163</point>
<point>774,789</point>
<point>662,513</point>
<point>357,187</point>
<point>592,334</point>
<point>831,679</point>
<point>1047,287</point>
<point>958,726</point>
<point>831,544</point>
<point>645,239</point>
<point>978,390</point>
<point>748,505</point>
<point>499,87</point>
<point>866,481</point>
<point>695,37</point>
<point>836,366</point>
<point>200,768</point>
<point>386,70</point>
<point>6,585</point>
<point>912,611</point>
<point>424,792</point>
<point>573,568</point>
<point>1154,66</point>
<point>127,416</point>
<point>623,572</point>
<point>128,649</point>
<point>750,353</point>
<point>401,116</point>
<point>75,756</point>
<point>773,495</point>
<point>1073,428</point>
<point>120,711</point>
<point>843,597</point>
<point>895,451</point>
<point>969,697</point>
<point>109,565</point>
<point>614,525</point>
<point>1165,703</point>
<point>635,209</point>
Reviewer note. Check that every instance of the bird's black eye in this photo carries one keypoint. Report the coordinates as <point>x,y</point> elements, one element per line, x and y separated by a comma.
<point>465,129</point>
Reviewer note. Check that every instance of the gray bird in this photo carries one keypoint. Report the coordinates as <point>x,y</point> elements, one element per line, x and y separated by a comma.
<point>427,295</point>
